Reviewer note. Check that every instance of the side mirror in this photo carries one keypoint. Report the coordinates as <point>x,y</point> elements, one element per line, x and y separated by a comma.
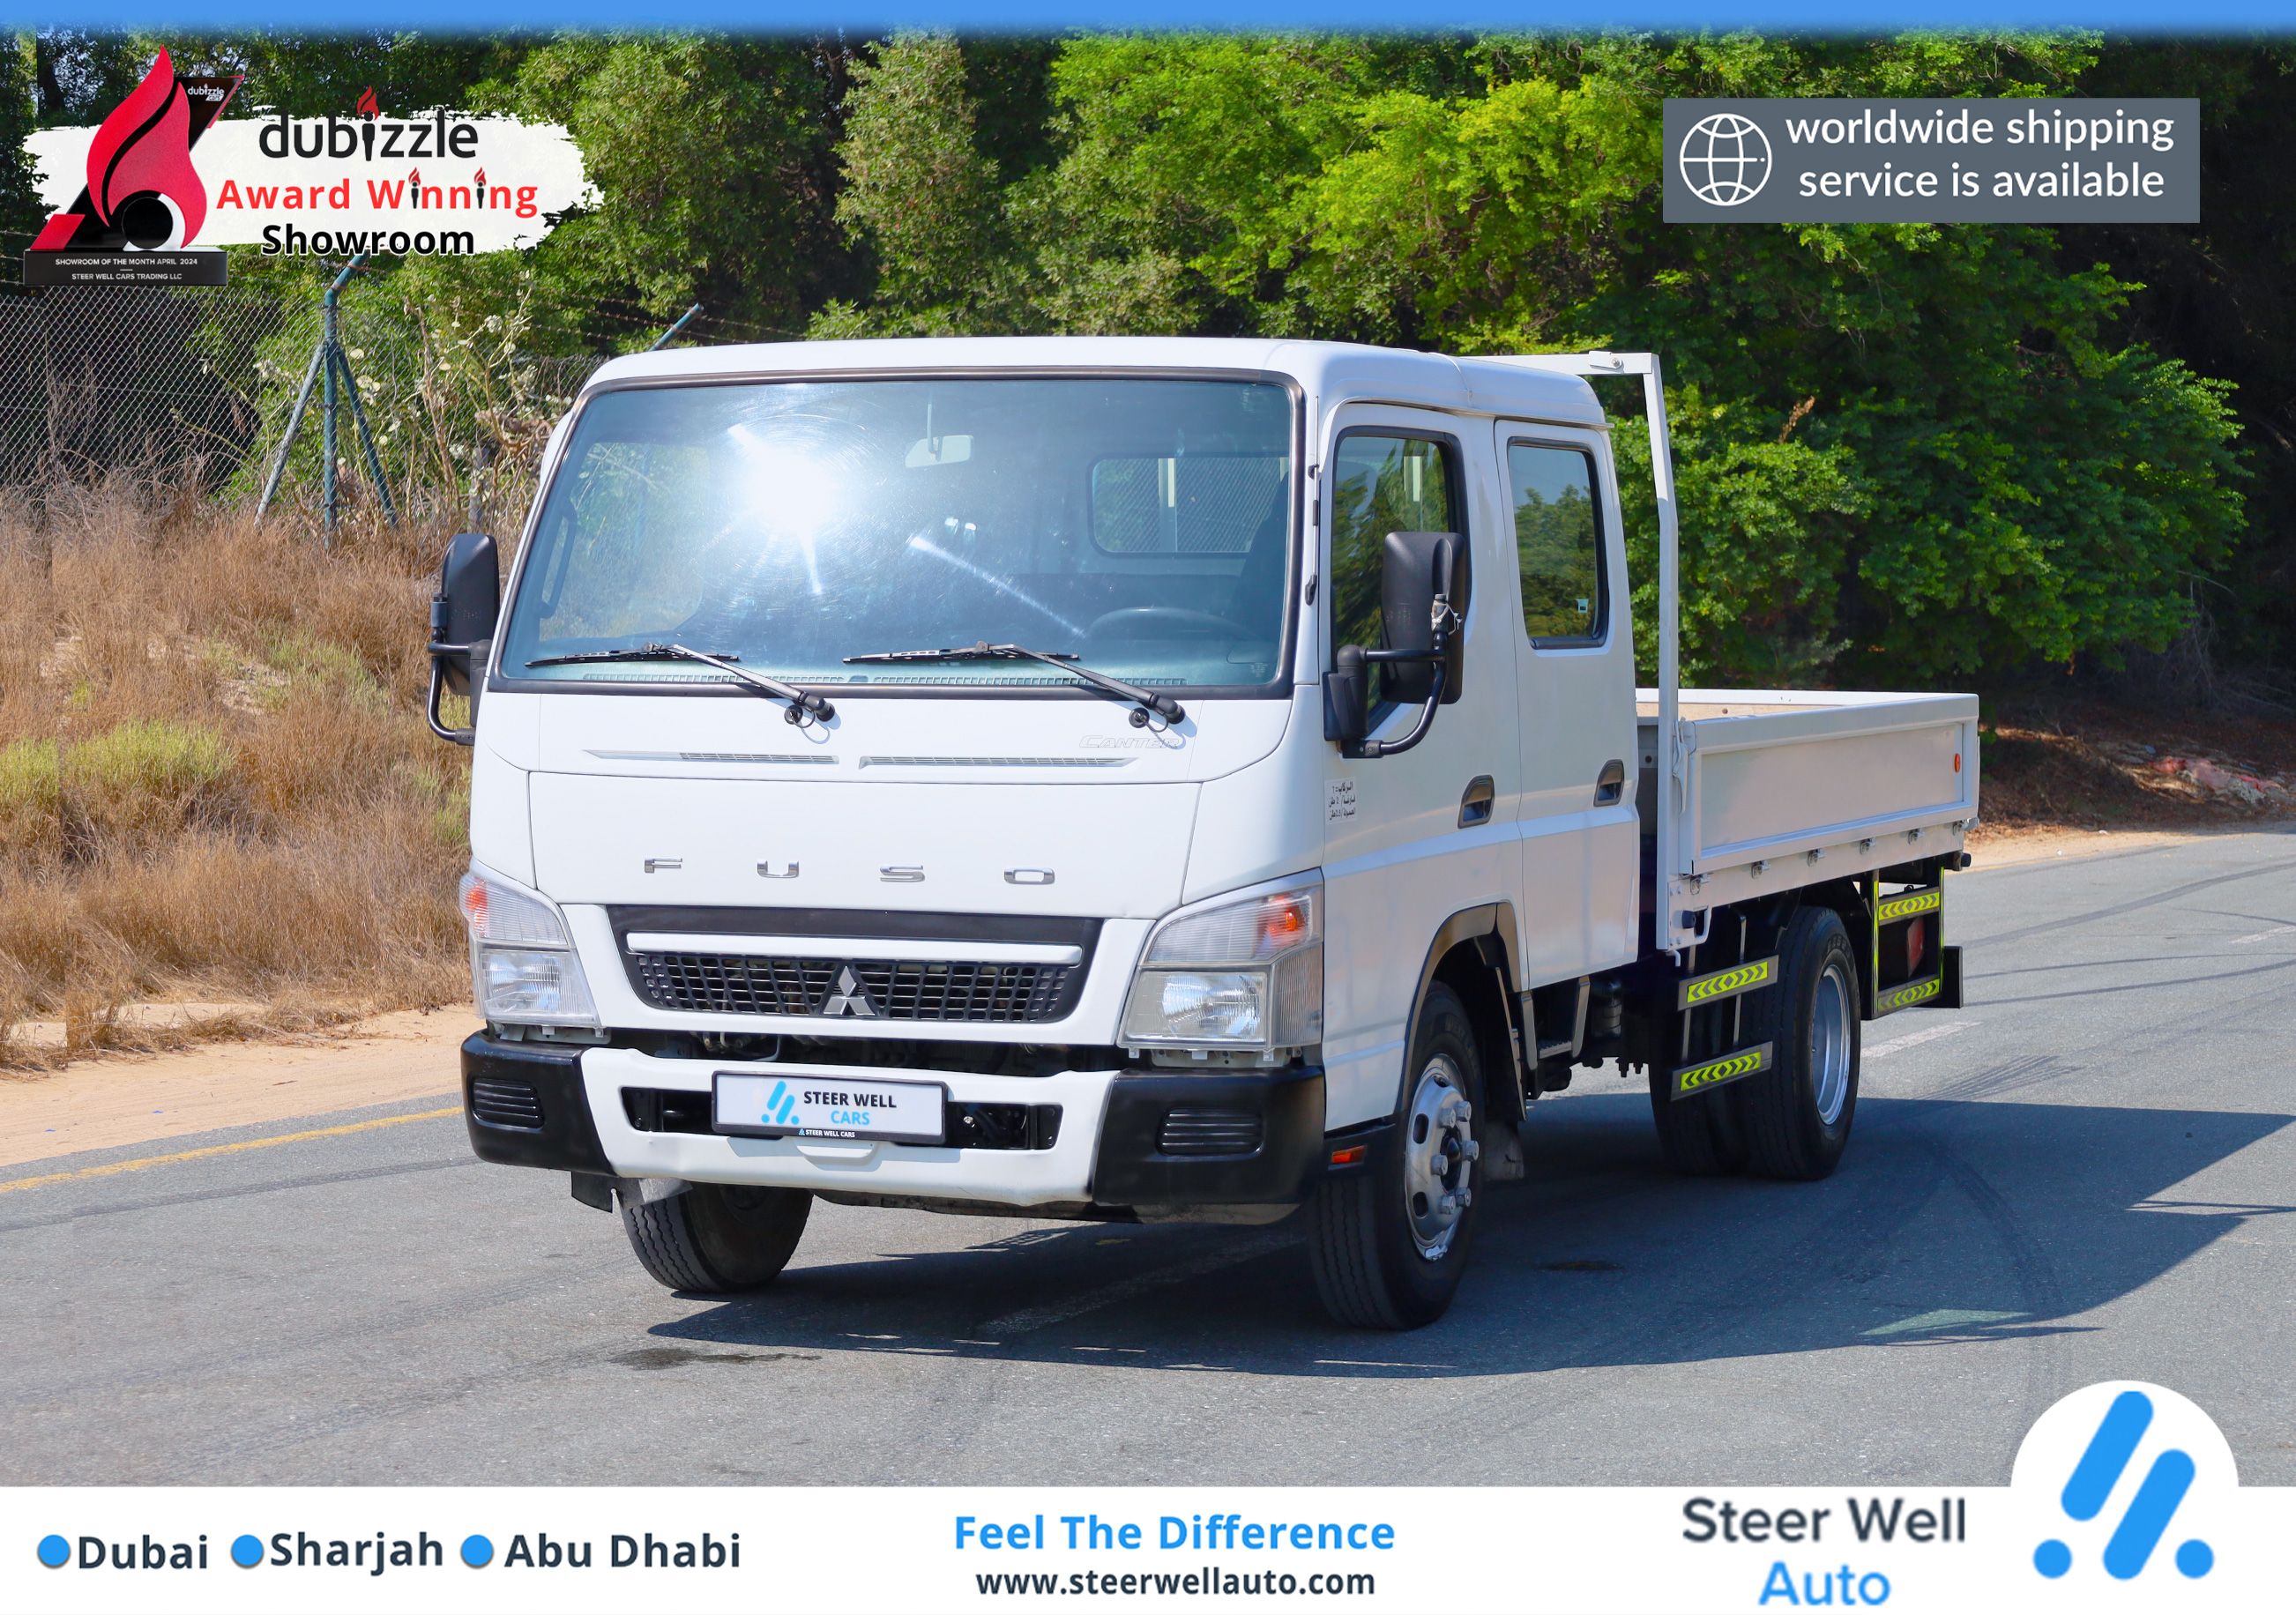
<point>1419,569</point>
<point>1422,598</point>
<point>463,624</point>
<point>1347,698</point>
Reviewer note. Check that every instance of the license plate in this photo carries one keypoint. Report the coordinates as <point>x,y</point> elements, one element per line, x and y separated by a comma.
<point>801,1105</point>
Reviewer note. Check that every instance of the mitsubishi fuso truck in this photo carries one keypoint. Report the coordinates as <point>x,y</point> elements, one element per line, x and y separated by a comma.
<point>1144,779</point>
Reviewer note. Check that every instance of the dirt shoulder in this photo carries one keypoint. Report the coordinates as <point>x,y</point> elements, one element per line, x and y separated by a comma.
<point>110,1102</point>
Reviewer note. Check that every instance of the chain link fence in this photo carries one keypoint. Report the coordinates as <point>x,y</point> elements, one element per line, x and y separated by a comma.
<point>196,385</point>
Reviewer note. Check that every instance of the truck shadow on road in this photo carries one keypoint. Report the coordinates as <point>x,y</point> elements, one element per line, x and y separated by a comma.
<point>1950,1221</point>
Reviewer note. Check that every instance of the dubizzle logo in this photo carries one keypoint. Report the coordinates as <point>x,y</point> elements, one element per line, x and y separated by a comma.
<point>143,193</point>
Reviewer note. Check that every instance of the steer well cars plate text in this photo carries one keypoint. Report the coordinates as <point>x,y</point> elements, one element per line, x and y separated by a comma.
<point>801,1106</point>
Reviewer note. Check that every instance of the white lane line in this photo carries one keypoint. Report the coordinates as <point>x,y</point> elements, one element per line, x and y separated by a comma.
<point>1928,1034</point>
<point>1228,1255</point>
<point>2263,936</point>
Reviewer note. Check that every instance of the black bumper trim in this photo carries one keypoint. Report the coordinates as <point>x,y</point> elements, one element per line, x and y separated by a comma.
<point>1129,1169</point>
<point>567,1141</point>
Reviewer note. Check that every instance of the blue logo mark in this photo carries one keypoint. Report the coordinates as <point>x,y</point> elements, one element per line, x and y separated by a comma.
<point>53,1551</point>
<point>779,1107</point>
<point>2149,1513</point>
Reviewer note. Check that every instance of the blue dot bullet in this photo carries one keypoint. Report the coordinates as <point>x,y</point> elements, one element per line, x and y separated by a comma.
<point>53,1551</point>
<point>477,1551</point>
<point>246,1552</point>
<point>2196,1559</point>
<point>2053,1559</point>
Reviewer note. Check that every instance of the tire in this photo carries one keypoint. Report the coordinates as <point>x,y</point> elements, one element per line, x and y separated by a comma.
<point>716,1239</point>
<point>1385,1248</point>
<point>1797,1114</point>
<point>1699,1136</point>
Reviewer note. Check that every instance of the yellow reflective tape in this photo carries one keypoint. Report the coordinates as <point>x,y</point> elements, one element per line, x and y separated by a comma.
<point>1728,1069</point>
<point>1899,998</point>
<point>1913,902</point>
<point>1723,983</point>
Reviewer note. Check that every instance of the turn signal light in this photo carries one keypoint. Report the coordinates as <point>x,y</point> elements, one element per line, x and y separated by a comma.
<point>1282,922</point>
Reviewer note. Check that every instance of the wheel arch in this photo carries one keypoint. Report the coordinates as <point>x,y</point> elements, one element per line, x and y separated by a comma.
<point>1473,953</point>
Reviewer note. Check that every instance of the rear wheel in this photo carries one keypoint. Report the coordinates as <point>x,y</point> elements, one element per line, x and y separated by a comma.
<point>1797,1114</point>
<point>1699,1136</point>
<point>718,1239</point>
<point>1386,1245</point>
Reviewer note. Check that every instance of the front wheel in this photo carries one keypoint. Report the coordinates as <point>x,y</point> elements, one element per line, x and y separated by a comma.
<point>716,1239</point>
<point>1388,1244</point>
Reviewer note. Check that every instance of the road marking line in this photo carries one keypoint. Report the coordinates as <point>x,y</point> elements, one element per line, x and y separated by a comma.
<point>2263,936</point>
<point>112,1169</point>
<point>1928,1034</point>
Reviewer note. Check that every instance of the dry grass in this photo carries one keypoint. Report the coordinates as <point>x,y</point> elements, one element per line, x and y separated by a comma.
<point>216,782</point>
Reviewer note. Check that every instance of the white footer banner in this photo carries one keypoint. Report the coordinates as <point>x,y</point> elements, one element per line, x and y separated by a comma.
<point>2124,1496</point>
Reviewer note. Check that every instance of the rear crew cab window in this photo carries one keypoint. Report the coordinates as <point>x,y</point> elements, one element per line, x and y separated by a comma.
<point>1558,540</point>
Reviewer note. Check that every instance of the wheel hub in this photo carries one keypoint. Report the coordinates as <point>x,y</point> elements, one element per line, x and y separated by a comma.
<point>1830,1032</point>
<point>1439,1154</point>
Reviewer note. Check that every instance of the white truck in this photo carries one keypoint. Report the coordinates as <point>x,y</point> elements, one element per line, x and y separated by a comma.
<point>1142,778</point>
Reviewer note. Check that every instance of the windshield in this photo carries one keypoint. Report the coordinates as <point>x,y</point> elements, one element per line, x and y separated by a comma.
<point>1140,525</point>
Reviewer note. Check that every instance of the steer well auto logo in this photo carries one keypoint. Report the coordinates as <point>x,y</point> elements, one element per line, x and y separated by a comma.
<point>2128,1492</point>
<point>366,179</point>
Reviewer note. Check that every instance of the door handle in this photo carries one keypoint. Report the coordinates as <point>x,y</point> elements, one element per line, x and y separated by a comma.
<point>1610,784</point>
<point>1475,802</point>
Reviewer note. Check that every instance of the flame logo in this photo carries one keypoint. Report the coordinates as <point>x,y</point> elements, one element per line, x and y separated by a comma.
<point>366,107</point>
<point>145,145</point>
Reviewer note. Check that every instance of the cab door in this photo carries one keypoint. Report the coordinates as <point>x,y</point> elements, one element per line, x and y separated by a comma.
<point>1410,839</point>
<point>1572,636</point>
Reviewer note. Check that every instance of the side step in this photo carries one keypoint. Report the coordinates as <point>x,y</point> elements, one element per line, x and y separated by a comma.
<point>1695,1079</point>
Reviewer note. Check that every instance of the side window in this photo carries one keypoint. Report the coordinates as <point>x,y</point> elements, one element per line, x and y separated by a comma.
<point>1558,542</point>
<point>1381,483</point>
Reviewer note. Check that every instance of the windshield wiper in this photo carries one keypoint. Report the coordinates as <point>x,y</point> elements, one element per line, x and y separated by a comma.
<point>1147,700</point>
<point>802,705</point>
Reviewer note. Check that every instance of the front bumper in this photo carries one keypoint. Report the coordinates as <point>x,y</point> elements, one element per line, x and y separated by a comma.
<point>1239,1138</point>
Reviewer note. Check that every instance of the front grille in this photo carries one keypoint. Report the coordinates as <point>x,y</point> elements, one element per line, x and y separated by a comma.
<point>749,984</point>
<point>496,1103</point>
<point>1190,1130</point>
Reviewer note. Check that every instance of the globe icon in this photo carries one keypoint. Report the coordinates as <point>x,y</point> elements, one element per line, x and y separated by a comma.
<point>1724,160</point>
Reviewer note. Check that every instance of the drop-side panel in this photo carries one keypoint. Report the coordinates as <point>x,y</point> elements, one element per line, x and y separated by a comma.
<point>1780,788</point>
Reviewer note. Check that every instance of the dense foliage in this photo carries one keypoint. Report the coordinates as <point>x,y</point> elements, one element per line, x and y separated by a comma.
<point>1940,452</point>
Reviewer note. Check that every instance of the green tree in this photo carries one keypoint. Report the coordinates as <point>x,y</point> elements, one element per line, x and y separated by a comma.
<point>715,160</point>
<point>920,194</point>
<point>1921,447</point>
<point>20,214</point>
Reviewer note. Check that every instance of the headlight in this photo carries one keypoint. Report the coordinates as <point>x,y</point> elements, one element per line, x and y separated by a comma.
<point>1247,974</point>
<point>523,968</point>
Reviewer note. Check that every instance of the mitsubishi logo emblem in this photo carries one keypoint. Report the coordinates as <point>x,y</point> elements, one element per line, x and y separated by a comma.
<point>849,999</point>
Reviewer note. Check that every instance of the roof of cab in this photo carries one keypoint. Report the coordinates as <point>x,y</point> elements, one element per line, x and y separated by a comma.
<point>1334,372</point>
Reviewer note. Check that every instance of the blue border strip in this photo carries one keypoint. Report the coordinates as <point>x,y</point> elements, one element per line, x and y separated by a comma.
<point>2200,17</point>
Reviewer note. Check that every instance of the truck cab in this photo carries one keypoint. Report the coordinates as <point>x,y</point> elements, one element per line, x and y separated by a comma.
<point>1136,779</point>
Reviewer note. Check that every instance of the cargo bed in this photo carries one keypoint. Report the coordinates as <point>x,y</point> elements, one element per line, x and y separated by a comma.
<point>1777,789</point>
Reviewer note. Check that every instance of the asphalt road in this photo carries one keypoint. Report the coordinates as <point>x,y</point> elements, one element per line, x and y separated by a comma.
<point>2086,1174</point>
